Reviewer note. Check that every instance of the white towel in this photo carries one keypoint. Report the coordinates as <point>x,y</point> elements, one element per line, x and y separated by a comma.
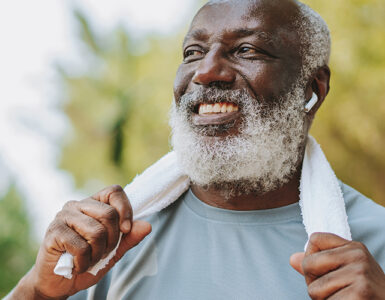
<point>321,200</point>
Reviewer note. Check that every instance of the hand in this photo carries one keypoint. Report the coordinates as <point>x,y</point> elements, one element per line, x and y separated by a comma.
<point>89,230</point>
<point>335,268</point>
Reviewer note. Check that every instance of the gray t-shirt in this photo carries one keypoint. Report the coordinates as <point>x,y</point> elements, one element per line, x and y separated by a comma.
<point>197,251</point>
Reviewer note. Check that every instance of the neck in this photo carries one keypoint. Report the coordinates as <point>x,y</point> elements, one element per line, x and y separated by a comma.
<point>285,195</point>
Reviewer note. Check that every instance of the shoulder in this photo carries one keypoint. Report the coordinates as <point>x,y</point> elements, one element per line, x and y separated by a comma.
<point>360,208</point>
<point>367,220</point>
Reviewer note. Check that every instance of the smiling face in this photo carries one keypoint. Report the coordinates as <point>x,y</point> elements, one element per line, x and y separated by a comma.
<point>238,114</point>
<point>239,45</point>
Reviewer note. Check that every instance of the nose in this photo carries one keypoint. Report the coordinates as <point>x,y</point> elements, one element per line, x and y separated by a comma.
<point>213,69</point>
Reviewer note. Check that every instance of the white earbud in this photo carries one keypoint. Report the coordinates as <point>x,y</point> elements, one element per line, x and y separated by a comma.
<point>311,103</point>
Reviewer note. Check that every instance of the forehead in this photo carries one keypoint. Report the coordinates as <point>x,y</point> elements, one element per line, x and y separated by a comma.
<point>271,20</point>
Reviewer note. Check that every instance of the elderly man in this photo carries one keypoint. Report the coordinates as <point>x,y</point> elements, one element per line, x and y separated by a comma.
<point>239,131</point>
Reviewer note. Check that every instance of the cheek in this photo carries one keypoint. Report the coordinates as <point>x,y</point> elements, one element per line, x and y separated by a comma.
<point>182,80</point>
<point>269,80</point>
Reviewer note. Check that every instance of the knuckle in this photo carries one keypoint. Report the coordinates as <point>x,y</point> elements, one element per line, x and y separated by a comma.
<point>70,204</point>
<point>313,291</point>
<point>61,215</point>
<point>315,237</point>
<point>360,256</point>
<point>99,233</point>
<point>55,228</point>
<point>116,188</point>
<point>358,245</point>
<point>77,243</point>
<point>111,214</point>
<point>84,249</point>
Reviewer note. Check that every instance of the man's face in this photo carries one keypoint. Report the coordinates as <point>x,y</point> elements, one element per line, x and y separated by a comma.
<point>243,45</point>
<point>237,114</point>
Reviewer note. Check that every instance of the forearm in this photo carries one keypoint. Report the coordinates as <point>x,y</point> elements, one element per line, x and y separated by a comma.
<point>25,289</point>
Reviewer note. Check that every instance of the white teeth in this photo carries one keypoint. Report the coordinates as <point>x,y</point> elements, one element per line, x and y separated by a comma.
<point>229,107</point>
<point>216,108</point>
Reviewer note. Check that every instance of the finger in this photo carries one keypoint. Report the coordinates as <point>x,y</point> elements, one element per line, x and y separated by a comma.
<point>328,284</point>
<point>68,240</point>
<point>116,197</point>
<point>140,229</point>
<point>322,262</point>
<point>322,241</point>
<point>106,215</point>
<point>296,261</point>
<point>346,293</point>
<point>89,229</point>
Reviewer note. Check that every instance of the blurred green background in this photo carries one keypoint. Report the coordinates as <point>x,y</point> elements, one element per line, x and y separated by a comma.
<point>118,108</point>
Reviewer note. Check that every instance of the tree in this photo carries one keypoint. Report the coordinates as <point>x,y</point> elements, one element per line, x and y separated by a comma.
<point>17,249</point>
<point>350,124</point>
<point>118,106</point>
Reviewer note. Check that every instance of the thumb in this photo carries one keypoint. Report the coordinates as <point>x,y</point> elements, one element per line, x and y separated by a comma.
<point>140,229</point>
<point>296,261</point>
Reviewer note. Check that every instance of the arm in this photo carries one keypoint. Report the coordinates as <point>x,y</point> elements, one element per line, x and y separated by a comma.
<point>89,230</point>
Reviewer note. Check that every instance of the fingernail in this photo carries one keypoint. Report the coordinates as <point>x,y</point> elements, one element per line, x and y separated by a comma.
<point>126,225</point>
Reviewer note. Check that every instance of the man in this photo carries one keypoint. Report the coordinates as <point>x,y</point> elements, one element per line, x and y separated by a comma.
<point>239,131</point>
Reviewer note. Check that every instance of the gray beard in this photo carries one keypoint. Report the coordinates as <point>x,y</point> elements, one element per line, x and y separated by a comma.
<point>262,157</point>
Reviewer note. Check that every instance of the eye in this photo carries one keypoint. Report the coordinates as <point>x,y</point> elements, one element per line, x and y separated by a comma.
<point>251,52</point>
<point>246,49</point>
<point>192,53</point>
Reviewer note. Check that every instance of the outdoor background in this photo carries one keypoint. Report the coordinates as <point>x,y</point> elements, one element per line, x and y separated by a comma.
<point>85,89</point>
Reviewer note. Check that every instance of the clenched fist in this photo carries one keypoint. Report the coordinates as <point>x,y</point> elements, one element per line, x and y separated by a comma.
<point>335,268</point>
<point>89,230</point>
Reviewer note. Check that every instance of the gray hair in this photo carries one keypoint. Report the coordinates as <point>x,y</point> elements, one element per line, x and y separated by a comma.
<point>315,41</point>
<point>314,35</point>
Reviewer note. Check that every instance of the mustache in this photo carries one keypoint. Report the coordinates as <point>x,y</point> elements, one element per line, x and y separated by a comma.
<point>210,95</point>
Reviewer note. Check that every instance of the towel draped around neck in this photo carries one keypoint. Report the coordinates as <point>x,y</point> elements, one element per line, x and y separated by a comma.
<point>321,200</point>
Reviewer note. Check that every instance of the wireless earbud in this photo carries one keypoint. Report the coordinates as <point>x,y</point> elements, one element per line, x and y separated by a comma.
<point>311,103</point>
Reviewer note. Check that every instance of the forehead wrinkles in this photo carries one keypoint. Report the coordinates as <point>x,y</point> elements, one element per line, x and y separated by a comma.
<point>273,19</point>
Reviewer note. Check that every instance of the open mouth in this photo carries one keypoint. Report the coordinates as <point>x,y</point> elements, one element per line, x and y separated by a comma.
<point>215,113</point>
<point>217,108</point>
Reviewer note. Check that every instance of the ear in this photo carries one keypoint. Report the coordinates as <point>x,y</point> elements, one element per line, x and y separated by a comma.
<point>320,85</point>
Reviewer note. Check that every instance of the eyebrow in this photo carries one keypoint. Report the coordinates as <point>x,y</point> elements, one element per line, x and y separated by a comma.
<point>197,34</point>
<point>203,35</point>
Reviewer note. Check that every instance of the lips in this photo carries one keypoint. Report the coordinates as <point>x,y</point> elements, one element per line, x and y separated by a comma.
<point>215,114</point>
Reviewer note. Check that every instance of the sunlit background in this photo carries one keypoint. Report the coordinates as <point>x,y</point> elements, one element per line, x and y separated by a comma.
<point>85,88</point>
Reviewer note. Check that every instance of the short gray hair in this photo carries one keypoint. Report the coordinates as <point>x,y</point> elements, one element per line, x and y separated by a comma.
<point>315,41</point>
<point>314,35</point>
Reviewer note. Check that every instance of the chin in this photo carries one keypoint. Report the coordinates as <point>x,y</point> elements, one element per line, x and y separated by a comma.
<point>258,153</point>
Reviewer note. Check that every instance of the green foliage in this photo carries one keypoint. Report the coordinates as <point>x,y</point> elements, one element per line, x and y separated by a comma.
<point>118,106</point>
<point>17,249</point>
<point>350,124</point>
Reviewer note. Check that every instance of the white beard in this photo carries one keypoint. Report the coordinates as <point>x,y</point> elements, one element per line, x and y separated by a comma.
<point>262,157</point>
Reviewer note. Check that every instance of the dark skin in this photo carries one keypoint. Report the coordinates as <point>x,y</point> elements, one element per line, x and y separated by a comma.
<point>253,47</point>
<point>255,50</point>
